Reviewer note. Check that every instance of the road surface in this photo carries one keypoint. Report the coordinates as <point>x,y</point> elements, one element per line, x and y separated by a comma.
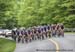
<point>54,44</point>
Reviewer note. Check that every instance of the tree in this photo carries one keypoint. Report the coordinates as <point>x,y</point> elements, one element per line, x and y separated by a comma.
<point>25,13</point>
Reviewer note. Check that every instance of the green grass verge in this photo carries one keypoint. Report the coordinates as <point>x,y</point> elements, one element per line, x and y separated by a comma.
<point>69,32</point>
<point>7,45</point>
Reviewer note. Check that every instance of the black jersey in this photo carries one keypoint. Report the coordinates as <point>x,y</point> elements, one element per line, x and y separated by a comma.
<point>22,32</point>
<point>53,27</point>
<point>13,32</point>
<point>58,27</point>
<point>44,28</point>
<point>25,32</point>
<point>62,27</point>
<point>18,32</point>
<point>39,30</point>
<point>29,31</point>
<point>48,27</point>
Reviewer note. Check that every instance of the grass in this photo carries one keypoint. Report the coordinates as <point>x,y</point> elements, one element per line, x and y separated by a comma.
<point>7,45</point>
<point>69,32</point>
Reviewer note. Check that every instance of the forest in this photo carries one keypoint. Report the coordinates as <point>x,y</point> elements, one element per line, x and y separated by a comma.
<point>26,13</point>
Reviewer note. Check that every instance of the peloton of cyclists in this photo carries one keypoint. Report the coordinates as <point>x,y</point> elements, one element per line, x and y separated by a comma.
<point>38,32</point>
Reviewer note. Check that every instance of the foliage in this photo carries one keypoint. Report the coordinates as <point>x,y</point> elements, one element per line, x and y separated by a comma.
<point>35,12</point>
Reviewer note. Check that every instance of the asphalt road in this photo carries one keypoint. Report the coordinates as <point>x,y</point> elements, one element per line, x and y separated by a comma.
<point>66,44</point>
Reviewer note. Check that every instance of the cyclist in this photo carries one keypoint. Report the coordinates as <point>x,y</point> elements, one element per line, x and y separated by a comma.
<point>49,30</point>
<point>53,29</point>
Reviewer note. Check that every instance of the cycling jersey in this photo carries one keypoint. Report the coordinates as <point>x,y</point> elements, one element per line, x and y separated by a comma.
<point>13,32</point>
<point>53,27</point>
<point>45,28</point>
<point>48,27</point>
<point>17,31</point>
<point>28,32</point>
<point>39,31</point>
<point>22,32</point>
<point>25,33</point>
<point>57,27</point>
<point>62,27</point>
<point>42,28</point>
